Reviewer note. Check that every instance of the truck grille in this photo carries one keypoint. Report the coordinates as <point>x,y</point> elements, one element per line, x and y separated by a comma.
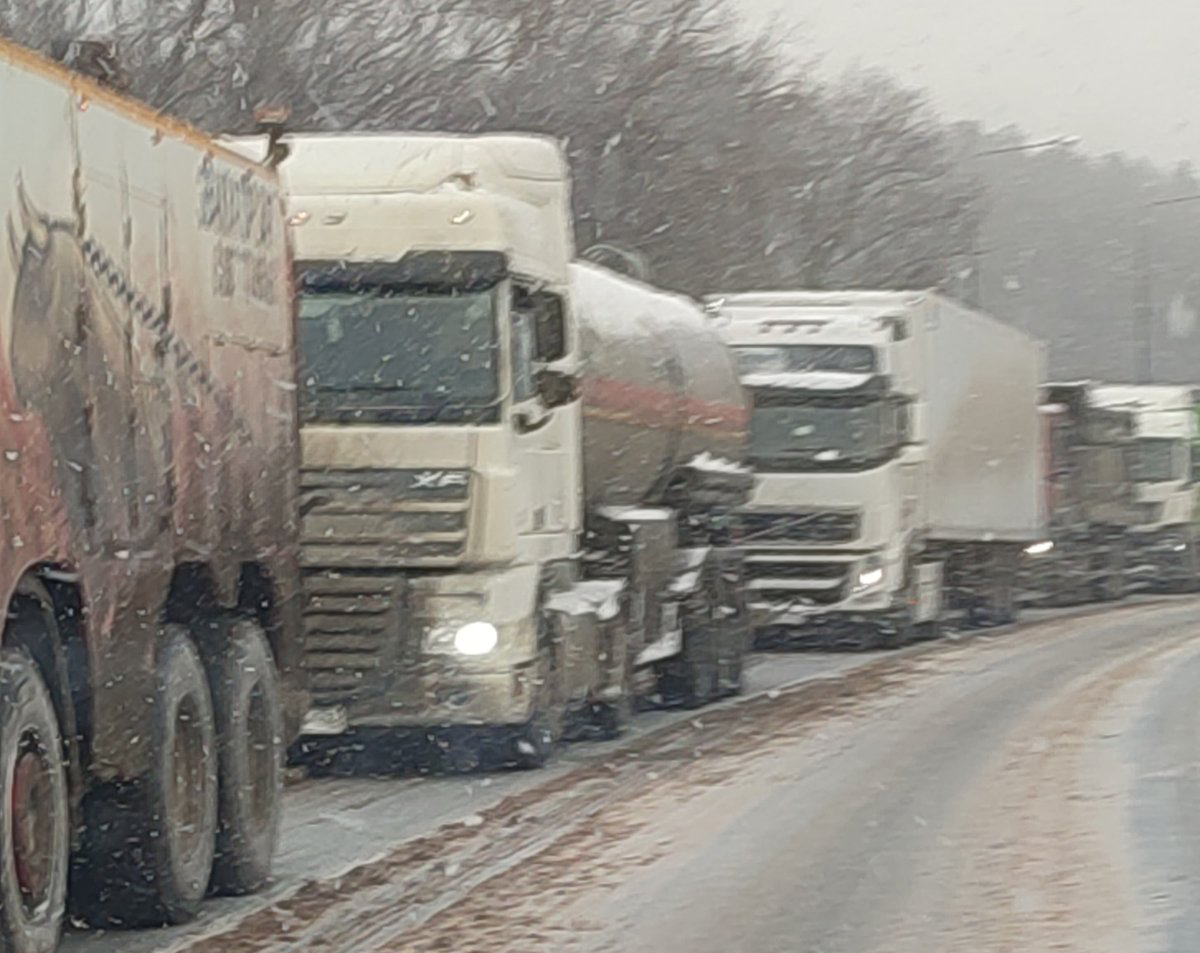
<point>801,582</point>
<point>814,526</point>
<point>384,518</point>
<point>353,634</point>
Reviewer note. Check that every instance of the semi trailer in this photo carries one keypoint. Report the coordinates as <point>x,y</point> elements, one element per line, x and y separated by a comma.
<point>895,441</point>
<point>1088,454</point>
<point>1163,541</point>
<point>149,670</point>
<point>514,468</point>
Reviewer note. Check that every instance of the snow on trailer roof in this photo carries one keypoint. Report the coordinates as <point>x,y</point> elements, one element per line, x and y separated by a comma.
<point>381,163</point>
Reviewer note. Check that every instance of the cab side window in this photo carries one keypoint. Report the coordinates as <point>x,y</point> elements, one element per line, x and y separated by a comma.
<point>523,345</point>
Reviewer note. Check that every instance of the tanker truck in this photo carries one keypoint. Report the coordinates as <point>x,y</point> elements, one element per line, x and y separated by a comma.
<point>895,440</point>
<point>149,675</point>
<point>1088,455</point>
<point>1163,542</point>
<point>514,469</point>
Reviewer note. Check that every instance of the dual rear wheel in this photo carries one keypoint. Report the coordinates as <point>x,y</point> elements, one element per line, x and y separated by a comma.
<point>204,818</point>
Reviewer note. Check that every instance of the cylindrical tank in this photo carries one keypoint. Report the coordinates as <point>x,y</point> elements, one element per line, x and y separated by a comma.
<point>659,388</point>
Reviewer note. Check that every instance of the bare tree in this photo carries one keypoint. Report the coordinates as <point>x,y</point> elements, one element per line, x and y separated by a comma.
<point>721,162</point>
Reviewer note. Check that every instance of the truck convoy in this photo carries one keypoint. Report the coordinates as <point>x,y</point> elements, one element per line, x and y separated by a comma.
<point>514,468</point>
<point>1088,485</point>
<point>149,669</point>
<point>1163,543</point>
<point>895,440</point>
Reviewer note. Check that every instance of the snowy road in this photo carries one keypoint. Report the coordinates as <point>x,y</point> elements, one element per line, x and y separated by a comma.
<point>1010,792</point>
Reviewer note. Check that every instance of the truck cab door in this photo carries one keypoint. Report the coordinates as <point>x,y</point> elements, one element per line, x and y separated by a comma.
<point>544,437</point>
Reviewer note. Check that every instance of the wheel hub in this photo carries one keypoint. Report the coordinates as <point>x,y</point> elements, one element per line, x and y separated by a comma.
<point>190,781</point>
<point>33,822</point>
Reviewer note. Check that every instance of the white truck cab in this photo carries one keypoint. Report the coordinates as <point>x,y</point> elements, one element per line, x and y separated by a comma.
<point>894,438</point>
<point>440,464</point>
<point>1164,540</point>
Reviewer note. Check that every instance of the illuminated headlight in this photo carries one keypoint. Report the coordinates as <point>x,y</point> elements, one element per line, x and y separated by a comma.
<point>1039,549</point>
<point>1179,547</point>
<point>870,574</point>
<point>474,638</point>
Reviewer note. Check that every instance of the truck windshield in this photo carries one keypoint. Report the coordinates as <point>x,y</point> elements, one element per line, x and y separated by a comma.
<point>1155,460</point>
<point>395,355</point>
<point>822,435</point>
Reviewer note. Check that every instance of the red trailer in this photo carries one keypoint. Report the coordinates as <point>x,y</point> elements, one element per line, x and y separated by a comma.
<point>148,559</point>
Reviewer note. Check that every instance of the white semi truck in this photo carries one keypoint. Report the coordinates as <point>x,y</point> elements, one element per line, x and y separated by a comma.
<point>511,487</point>
<point>895,440</point>
<point>1163,542</point>
<point>1088,456</point>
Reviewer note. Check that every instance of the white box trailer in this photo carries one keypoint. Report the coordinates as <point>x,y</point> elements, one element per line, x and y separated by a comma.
<point>977,385</point>
<point>895,437</point>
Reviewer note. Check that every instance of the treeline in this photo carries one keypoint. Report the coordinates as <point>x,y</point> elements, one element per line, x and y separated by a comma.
<point>1099,256</point>
<point>721,162</point>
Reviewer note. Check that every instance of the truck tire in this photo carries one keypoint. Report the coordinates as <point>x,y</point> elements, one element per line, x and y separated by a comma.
<point>1112,587</point>
<point>611,718</point>
<point>999,607</point>
<point>736,635</point>
<point>900,628</point>
<point>693,678</point>
<point>36,822</point>
<point>1188,578</point>
<point>149,843</point>
<point>534,743</point>
<point>249,722</point>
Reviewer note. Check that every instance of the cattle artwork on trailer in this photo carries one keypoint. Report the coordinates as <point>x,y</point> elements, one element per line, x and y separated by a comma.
<point>73,369</point>
<point>70,364</point>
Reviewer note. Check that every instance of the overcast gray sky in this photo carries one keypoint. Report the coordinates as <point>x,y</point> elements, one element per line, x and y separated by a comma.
<point>1122,74</point>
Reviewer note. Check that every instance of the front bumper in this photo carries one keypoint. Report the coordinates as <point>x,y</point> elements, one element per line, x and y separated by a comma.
<point>442,696</point>
<point>1165,555</point>
<point>369,658</point>
<point>870,604</point>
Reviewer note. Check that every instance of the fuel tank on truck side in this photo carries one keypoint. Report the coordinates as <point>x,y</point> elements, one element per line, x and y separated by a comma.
<point>659,388</point>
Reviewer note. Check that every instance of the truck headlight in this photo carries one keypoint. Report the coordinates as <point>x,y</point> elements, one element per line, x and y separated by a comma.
<point>472,639</point>
<point>1039,549</point>
<point>870,573</point>
<point>476,638</point>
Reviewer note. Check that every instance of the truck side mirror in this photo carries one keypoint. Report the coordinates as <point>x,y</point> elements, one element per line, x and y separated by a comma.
<point>557,388</point>
<point>549,327</point>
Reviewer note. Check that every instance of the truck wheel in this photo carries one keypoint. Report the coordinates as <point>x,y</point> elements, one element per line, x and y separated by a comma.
<point>611,718</point>
<point>1112,588</point>
<point>534,743</point>
<point>899,628</point>
<point>1189,574</point>
<point>149,843</point>
<point>999,607</point>
<point>33,875</point>
<point>735,634</point>
<point>693,678</point>
<point>249,724</point>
